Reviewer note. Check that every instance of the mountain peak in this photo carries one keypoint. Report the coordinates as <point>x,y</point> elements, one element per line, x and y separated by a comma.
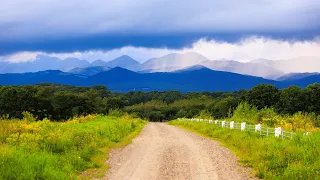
<point>124,61</point>
<point>99,63</point>
<point>125,56</point>
<point>173,61</point>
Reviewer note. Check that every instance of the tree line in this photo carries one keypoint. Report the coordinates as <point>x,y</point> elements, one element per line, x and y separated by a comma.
<point>61,102</point>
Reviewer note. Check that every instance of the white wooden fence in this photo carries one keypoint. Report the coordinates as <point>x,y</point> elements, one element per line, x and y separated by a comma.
<point>263,131</point>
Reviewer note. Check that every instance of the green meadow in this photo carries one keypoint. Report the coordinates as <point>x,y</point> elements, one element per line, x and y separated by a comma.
<point>73,149</point>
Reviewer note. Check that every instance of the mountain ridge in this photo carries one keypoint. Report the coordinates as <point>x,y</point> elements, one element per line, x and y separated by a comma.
<point>268,69</point>
<point>197,78</point>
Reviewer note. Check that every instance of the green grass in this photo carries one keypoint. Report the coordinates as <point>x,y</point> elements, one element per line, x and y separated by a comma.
<point>269,157</point>
<point>67,150</point>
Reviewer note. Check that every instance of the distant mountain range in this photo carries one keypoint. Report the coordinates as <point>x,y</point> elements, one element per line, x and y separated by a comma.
<point>196,78</point>
<point>42,63</point>
<point>268,69</point>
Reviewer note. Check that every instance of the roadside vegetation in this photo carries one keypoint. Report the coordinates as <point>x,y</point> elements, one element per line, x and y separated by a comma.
<point>269,157</point>
<point>32,149</point>
<point>297,122</point>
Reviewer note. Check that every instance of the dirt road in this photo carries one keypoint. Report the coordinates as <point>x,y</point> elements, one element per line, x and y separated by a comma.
<point>163,152</point>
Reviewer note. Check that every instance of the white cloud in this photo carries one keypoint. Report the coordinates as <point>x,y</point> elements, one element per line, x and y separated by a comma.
<point>257,47</point>
<point>247,49</point>
<point>20,57</point>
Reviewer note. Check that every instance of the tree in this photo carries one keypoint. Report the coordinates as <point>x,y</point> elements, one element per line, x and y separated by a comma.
<point>221,108</point>
<point>263,95</point>
<point>312,100</point>
<point>292,99</point>
<point>103,91</point>
<point>8,102</point>
<point>63,104</point>
<point>115,103</point>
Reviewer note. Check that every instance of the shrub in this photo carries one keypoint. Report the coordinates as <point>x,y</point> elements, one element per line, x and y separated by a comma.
<point>27,116</point>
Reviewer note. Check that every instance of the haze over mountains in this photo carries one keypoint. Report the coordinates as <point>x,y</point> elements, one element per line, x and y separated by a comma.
<point>184,72</point>
<point>300,64</point>
<point>268,69</point>
<point>42,63</point>
<point>172,62</point>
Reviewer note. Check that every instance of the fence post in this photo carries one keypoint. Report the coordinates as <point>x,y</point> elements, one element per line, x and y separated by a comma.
<point>277,132</point>
<point>232,125</point>
<point>210,121</point>
<point>267,131</point>
<point>307,133</point>
<point>243,126</point>
<point>257,127</point>
<point>223,123</point>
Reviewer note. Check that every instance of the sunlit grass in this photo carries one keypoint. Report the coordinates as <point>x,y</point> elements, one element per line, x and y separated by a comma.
<point>270,157</point>
<point>61,150</point>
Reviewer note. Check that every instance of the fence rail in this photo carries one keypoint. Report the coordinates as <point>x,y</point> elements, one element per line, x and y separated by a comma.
<point>243,126</point>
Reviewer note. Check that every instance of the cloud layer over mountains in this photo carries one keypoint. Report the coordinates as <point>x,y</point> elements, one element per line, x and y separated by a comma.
<point>245,50</point>
<point>55,26</point>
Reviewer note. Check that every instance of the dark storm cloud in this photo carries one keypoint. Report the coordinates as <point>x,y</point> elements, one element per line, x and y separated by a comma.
<point>75,25</point>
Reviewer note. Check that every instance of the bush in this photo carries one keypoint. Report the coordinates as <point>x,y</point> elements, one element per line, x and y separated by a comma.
<point>27,116</point>
<point>115,113</point>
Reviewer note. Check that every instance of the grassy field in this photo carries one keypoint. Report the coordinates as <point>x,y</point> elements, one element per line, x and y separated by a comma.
<point>61,150</point>
<point>270,157</point>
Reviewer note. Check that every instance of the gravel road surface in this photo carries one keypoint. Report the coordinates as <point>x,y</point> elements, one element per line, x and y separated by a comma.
<point>164,152</point>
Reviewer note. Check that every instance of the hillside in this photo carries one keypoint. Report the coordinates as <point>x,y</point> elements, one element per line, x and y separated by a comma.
<point>89,71</point>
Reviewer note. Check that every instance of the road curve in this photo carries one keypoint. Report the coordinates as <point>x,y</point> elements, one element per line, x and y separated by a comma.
<point>163,152</point>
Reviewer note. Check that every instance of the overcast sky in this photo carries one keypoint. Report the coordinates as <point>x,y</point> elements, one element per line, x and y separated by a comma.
<point>104,29</point>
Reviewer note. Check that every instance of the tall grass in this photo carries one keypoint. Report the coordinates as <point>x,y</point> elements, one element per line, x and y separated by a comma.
<point>270,157</point>
<point>59,150</point>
